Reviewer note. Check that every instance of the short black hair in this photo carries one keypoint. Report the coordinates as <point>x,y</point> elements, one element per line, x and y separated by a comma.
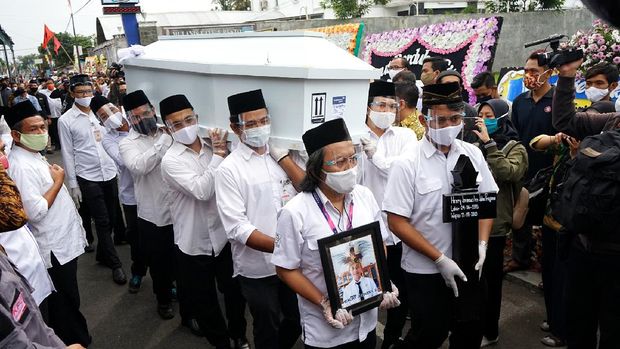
<point>405,76</point>
<point>605,68</point>
<point>408,92</point>
<point>437,63</point>
<point>314,168</point>
<point>534,56</point>
<point>485,78</point>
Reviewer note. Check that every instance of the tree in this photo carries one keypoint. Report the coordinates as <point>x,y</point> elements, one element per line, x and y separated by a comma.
<point>496,6</point>
<point>351,8</point>
<point>67,41</point>
<point>232,5</point>
<point>26,63</point>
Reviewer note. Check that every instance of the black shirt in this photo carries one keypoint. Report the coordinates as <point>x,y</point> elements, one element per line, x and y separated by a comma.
<point>532,119</point>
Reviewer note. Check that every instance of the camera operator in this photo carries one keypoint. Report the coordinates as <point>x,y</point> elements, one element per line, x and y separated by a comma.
<point>117,76</point>
<point>593,285</point>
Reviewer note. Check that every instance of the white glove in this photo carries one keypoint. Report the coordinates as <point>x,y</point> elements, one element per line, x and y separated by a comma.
<point>342,319</point>
<point>449,270</point>
<point>390,299</point>
<point>482,255</point>
<point>368,146</point>
<point>76,194</point>
<point>277,153</point>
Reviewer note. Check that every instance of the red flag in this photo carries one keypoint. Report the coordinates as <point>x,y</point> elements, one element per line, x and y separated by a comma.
<point>56,44</point>
<point>47,35</point>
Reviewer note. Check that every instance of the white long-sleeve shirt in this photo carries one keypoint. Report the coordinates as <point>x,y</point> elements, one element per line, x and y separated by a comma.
<point>197,226</point>
<point>57,229</point>
<point>111,143</point>
<point>82,152</point>
<point>394,143</point>
<point>142,156</point>
<point>251,190</point>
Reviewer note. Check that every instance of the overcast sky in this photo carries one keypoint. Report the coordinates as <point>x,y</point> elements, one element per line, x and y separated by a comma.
<point>23,20</point>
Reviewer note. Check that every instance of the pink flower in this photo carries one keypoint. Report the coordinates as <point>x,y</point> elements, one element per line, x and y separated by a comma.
<point>601,41</point>
<point>602,48</point>
<point>617,60</point>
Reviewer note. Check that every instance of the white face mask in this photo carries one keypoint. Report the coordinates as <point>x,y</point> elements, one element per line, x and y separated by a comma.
<point>445,136</point>
<point>84,101</point>
<point>392,72</point>
<point>114,121</point>
<point>256,137</point>
<point>342,182</point>
<point>382,120</point>
<point>186,135</point>
<point>595,94</point>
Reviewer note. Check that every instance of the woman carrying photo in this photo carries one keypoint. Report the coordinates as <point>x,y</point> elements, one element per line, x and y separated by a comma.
<point>330,203</point>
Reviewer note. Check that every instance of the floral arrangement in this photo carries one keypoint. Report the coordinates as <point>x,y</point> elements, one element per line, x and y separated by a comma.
<point>346,36</point>
<point>442,39</point>
<point>600,43</point>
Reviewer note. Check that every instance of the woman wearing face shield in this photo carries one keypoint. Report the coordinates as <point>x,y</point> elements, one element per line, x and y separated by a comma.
<point>507,159</point>
<point>331,203</point>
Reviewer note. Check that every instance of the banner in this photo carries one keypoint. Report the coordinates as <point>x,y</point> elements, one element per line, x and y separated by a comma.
<point>346,36</point>
<point>468,45</point>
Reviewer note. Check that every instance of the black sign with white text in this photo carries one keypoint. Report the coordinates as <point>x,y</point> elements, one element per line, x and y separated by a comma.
<point>465,206</point>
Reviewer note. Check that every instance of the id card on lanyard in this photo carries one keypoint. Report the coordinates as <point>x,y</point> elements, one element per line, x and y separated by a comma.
<point>331,224</point>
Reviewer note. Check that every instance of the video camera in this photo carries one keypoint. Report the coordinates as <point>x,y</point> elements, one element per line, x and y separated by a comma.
<point>556,57</point>
<point>116,71</point>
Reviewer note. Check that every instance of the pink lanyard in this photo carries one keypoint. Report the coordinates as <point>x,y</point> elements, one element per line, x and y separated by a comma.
<point>328,218</point>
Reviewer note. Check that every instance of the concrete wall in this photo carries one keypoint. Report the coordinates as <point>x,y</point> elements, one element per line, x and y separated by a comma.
<point>518,28</point>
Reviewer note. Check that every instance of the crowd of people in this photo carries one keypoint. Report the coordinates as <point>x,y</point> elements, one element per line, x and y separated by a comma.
<point>241,216</point>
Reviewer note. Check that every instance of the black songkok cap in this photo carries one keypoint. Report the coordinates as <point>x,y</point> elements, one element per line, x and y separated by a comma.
<point>33,81</point>
<point>19,112</point>
<point>97,102</point>
<point>135,99</point>
<point>245,102</point>
<point>332,131</point>
<point>173,104</point>
<point>79,79</point>
<point>441,94</point>
<point>381,88</point>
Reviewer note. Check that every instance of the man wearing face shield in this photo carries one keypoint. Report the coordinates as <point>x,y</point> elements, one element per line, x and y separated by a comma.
<point>382,145</point>
<point>202,250</point>
<point>117,128</point>
<point>90,170</point>
<point>531,116</point>
<point>331,203</point>
<point>251,189</point>
<point>413,202</point>
<point>141,152</point>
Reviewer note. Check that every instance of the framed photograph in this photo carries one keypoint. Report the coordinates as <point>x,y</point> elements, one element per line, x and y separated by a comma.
<point>355,268</point>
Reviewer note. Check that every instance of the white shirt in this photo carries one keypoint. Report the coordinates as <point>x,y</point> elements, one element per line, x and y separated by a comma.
<point>23,251</point>
<point>197,226</point>
<point>125,183</point>
<point>250,190</point>
<point>300,224</point>
<point>351,292</point>
<point>415,189</point>
<point>82,153</point>
<point>396,141</point>
<point>57,229</point>
<point>142,156</point>
<point>55,104</point>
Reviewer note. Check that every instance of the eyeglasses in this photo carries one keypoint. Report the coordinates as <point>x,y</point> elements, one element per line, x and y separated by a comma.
<point>385,106</point>
<point>83,93</point>
<point>394,67</point>
<point>342,161</point>
<point>443,120</point>
<point>266,120</point>
<point>187,121</point>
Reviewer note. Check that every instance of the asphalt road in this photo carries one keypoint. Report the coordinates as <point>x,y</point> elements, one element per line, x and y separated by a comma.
<point>118,319</point>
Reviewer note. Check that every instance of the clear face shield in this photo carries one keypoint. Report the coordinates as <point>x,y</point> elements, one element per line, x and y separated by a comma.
<point>185,129</point>
<point>255,132</point>
<point>444,128</point>
<point>383,111</point>
<point>110,116</point>
<point>143,119</point>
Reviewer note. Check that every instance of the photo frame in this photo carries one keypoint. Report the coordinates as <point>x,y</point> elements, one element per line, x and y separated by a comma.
<point>355,268</point>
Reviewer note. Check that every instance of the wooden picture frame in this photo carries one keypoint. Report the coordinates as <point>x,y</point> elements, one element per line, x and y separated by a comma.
<point>355,255</point>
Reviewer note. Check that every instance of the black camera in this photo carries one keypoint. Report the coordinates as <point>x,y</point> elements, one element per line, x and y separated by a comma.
<point>556,57</point>
<point>115,71</point>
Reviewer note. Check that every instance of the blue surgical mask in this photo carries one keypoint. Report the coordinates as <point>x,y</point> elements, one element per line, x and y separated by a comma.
<point>492,124</point>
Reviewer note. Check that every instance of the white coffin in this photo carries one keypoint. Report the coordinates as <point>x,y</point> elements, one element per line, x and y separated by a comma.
<point>294,70</point>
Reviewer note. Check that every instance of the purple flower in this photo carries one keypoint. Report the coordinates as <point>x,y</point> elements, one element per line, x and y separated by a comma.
<point>617,60</point>
<point>602,48</point>
<point>601,41</point>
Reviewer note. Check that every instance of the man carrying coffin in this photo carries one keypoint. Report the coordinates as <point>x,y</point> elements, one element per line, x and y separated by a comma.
<point>413,202</point>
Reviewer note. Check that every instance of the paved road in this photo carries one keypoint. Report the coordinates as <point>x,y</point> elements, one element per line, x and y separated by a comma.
<point>121,320</point>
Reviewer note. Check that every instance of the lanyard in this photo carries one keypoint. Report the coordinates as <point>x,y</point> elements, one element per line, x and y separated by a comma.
<point>328,218</point>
